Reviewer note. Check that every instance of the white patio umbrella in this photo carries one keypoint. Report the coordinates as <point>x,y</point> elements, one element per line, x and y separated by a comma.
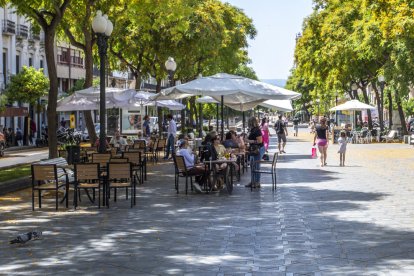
<point>237,92</point>
<point>353,105</point>
<point>281,105</point>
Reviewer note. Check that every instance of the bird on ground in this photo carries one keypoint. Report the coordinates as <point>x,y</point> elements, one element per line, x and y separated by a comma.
<point>23,238</point>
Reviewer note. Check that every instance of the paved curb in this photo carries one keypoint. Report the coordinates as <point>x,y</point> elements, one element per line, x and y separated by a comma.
<point>14,185</point>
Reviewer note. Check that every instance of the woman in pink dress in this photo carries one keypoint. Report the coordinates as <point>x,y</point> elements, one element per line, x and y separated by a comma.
<point>265,133</point>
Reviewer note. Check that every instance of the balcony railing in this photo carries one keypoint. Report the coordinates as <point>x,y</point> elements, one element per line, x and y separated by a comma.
<point>22,31</point>
<point>9,27</point>
<point>74,61</point>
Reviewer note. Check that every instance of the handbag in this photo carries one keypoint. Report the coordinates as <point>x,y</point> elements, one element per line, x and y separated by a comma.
<point>314,153</point>
<point>254,149</point>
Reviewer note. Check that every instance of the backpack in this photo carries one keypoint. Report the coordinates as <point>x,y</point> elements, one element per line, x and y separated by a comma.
<point>279,127</point>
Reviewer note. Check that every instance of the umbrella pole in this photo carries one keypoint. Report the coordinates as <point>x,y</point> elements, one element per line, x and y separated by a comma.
<point>222,118</point>
<point>244,121</point>
<point>200,134</point>
<point>217,117</point>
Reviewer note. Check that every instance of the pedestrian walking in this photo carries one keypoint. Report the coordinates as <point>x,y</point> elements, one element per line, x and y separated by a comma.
<point>33,131</point>
<point>19,137</point>
<point>265,132</point>
<point>172,132</point>
<point>295,126</point>
<point>256,150</point>
<point>281,131</point>
<point>342,141</point>
<point>322,134</point>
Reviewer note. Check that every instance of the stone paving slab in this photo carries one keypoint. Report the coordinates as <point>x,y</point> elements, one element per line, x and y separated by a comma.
<point>353,220</point>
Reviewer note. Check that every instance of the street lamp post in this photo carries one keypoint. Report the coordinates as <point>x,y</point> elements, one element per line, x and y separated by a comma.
<point>171,66</point>
<point>103,27</point>
<point>381,80</point>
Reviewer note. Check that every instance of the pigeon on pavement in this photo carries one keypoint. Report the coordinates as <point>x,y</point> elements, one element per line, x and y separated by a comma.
<point>23,238</point>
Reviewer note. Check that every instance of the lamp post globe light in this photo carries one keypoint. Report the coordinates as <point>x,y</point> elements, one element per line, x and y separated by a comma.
<point>171,66</point>
<point>103,27</point>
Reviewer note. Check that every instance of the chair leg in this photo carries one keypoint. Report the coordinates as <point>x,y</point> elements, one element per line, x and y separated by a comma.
<point>115,194</point>
<point>32,199</point>
<point>40,198</point>
<point>126,192</point>
<point>57,199</point>
<point>186,185</point>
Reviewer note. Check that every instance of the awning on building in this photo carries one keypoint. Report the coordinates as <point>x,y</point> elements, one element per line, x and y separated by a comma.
<point>15,112</point>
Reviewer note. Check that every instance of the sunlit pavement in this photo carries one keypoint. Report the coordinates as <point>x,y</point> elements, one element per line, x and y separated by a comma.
<point>353,220</point>
<point>12,158</point>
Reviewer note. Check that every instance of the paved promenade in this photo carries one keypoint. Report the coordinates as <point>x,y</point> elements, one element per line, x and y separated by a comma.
<point>353,220</point>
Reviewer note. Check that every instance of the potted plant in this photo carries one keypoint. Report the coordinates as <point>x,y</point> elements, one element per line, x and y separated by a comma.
<point>71,143</point>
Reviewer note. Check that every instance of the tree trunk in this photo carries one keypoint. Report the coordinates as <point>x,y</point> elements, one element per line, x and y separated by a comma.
<point>366,99</point>
<point>401,114</point>
<point>183,122</point>
<point>379,105</point>
<point>88,83</point>
<point>53,92</point>
<point>193,112</point>
<point>137,77</point>
<point>159,110</point>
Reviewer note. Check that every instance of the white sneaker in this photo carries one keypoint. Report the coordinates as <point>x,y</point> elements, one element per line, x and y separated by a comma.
<point>197,188</point>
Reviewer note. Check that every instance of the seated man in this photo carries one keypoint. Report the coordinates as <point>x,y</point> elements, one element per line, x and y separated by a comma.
<point>190,160</point>
<point>118,141</point>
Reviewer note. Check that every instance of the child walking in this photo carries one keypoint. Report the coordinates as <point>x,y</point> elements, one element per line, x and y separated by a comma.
<point>342,141</point>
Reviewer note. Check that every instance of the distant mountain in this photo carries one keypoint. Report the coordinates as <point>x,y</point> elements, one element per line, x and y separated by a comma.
<point>277,82</point>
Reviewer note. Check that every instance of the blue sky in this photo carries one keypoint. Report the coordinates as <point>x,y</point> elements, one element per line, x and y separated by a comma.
<point>277,23</point>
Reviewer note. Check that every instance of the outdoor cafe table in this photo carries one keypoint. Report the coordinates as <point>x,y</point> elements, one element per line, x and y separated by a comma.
<point>230,163</point>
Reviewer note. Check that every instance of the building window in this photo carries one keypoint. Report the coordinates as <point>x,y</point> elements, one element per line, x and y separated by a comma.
<point>30,61</point>
<point>17,64</point>
<point>41,64</point>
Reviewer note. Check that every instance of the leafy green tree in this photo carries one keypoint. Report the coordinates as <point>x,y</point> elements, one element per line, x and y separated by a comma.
<point>3,102</point>
<point>27,86</point>
<point>48,14</point>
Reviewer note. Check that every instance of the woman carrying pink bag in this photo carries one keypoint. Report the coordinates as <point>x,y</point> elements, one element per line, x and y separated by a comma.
<point>321,140</point>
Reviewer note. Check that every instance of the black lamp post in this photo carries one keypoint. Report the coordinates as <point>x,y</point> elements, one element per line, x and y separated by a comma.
<point>381,80</point>
<point>103,27</point>
<point>171,66</point>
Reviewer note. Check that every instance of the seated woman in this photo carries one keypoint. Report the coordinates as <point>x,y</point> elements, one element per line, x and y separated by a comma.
<point>190,163</point>
<point>230,141</point>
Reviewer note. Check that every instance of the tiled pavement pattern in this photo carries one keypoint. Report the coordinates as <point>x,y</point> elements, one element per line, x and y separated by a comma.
<point>354,220</point>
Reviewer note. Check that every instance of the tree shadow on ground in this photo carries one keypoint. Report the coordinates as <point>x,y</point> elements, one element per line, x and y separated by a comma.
<point>295,229</point>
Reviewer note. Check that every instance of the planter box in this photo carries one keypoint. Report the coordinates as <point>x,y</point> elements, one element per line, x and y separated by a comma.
<point>73,154</point>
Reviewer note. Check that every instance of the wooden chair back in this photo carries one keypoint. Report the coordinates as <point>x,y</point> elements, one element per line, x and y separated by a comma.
<point>119,160</point>
<point>119,171</point>
<point>139,144</point>
<point>162,142</point>
<point>101,158</point>
<point>87,171</point>
<point>133,156</point>
<point>44,172</point>
<point>180,164</point>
